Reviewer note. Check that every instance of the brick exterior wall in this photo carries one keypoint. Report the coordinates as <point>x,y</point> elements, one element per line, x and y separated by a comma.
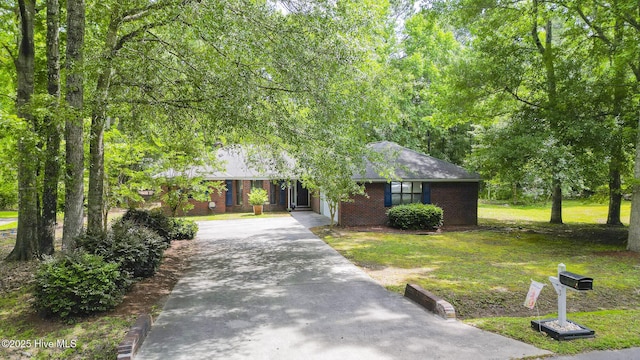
<point>459,202</point>
<point>315,204</point>
<point>201,208</point>
<point>363,210</point>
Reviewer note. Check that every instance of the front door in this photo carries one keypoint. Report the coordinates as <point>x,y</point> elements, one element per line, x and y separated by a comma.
<point>302,195</point>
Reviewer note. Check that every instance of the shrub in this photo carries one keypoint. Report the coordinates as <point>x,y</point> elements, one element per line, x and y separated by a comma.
<point>154,220</point>
<point>415,217</point>
<point>137,249</point>
<point>76,284</point>
<point>258,196</point>
<point>96,244</point>
<point>183,229</point>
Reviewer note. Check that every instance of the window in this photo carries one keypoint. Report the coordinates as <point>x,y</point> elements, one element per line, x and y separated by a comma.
<point>406,192</point>
<point>256,184</point>
<point>273,189</point>
<point>238,192</point>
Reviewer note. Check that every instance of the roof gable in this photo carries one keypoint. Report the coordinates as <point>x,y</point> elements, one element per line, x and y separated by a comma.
<point>408,164</point>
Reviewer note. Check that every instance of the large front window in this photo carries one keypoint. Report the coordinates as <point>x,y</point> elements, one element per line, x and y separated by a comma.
<point>406,192</point>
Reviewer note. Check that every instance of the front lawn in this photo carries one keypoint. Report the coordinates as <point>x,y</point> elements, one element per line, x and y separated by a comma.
<point>237,216</point>
<point>573,212</point>
<point>485,273</point>
<point>8,214</point>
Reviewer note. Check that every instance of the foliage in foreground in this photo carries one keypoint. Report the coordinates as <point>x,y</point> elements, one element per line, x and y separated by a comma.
<point>155,220</point>
<point>95,278</point>
<point>168,228</point>
<point>77,284</point>
<point>182,229</point>
<point>137,249</point>
<point>415,217</point>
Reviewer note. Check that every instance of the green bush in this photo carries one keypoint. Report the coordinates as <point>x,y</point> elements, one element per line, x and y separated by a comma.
<point>415,217</point>
<point>137,249</point>
<point>155,220</point>
<point>258,196</point>
<point>76,284</point>
<point>183,229</point>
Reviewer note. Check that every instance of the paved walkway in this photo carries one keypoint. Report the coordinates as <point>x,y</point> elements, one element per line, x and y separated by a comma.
<point>269,289</point>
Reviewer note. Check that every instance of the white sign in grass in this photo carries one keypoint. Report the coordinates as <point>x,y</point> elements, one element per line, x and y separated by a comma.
<point>532,296</point>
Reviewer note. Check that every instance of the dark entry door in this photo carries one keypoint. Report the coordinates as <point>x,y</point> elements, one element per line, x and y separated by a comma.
<point>302,197</point>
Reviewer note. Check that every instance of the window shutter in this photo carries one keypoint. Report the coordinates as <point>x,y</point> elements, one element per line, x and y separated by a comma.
<point>387,194</point>
<point>426,193</point>
<point>229,194</point>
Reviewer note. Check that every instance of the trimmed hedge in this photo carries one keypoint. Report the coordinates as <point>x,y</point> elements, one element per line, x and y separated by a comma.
<point>76,284</point>
<point>155,220</point>
<point>415,217</point>
<point>183,229</point>
<point>137,249</point>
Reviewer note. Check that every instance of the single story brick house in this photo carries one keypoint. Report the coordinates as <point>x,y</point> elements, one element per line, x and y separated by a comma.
<point>418,178</point>
<point>239,175</point>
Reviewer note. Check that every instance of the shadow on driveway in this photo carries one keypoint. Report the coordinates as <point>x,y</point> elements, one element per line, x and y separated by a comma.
<point>270,289</point>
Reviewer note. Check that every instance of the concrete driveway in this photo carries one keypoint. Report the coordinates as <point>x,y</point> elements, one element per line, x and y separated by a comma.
<point>268,288</point>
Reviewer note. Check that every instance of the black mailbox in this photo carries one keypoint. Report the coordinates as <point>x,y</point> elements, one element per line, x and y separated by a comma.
<point>576,281</point>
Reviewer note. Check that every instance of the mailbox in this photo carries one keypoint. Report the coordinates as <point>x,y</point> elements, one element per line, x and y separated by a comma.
<point>576,281</point>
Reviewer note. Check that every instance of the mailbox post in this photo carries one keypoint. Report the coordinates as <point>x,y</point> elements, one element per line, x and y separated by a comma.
<point>561,290</point>
<point>561,328</point>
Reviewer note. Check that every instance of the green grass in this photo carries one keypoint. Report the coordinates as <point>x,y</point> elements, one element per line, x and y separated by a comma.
<point>486,273</point>
<point>8,214</point>
<point>9,226</point>
<point>614,329</point>
<point>237,216</point>
<point>573,212</point>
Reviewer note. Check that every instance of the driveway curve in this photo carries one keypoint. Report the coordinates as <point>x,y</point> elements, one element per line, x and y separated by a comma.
<point>268,288</point>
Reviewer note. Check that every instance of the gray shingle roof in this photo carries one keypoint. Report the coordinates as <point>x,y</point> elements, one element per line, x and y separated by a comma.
<point>234,163</point>
<point>412,165</point>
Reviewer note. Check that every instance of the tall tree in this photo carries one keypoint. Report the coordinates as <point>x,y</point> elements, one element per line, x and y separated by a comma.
<point>616,25</point>
<point>524,59</point>
<point>552,111</point>
<point>427,50</point>
<point>126,24</point>
<point>27,236</point>
<point>52,131</point>
<point>74,181</point>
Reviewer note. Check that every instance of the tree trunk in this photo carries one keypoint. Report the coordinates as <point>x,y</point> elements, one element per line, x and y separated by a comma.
<point>615,189</point>
<point>616,163</point>
<point>556,202</point>
<point>633,241</point>
<point>26,246</point>
<point>53,130</point>
<point>96,203</point>
<point>74,186</point>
